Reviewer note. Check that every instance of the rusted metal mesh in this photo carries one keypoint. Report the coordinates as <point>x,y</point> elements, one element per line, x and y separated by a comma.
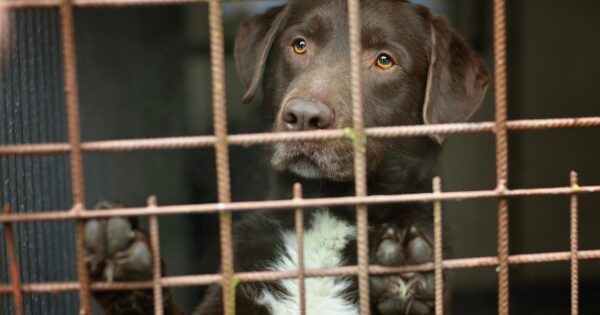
<point>221,140</point>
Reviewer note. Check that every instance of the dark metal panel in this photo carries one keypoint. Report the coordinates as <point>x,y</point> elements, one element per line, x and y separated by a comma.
<point>32,111</point>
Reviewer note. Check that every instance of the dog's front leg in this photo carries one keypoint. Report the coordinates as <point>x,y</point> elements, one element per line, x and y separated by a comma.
<point>409,293</point>
<point>118,250</point>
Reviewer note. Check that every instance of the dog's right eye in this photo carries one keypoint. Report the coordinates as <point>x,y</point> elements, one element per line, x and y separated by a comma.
<point>299,46</point>
<point>384,61</point>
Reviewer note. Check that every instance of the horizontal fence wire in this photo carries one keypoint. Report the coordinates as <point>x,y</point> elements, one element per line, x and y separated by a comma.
<point>40,4</point>
<point>187,142</point>
<point>265,276</point>
<point>291,203</point>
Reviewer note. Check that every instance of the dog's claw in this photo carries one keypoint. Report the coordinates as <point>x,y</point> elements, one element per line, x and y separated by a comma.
<point>409,293</point>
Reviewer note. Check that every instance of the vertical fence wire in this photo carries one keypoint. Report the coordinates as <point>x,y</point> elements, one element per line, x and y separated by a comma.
<point>574,247</point>
<point>438,249</point>
<point>156,266</point>
<point>299,222</point>
<point>72,102</point>
<point>217,61</point>
<point>360,161</point>
<point>501,151</point>
<point>15,275</point>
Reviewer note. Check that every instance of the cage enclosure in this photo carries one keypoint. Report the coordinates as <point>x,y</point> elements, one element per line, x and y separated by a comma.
<point>112,100</point>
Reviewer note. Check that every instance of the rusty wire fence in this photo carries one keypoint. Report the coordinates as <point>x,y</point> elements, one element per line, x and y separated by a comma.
<point>225,207</point>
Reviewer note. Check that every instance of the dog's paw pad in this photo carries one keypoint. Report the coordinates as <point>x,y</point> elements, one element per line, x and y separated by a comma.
<point>395,246</point>
<point>411,294</point>
<point>116,251</point>
<point>140,258</point>
<point>94,236</point>
<point>118,235</point>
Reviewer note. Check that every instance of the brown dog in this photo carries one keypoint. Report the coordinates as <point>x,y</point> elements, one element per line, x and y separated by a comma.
<point>416,70</point>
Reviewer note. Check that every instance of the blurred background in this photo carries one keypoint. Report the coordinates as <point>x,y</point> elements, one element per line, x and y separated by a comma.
<point>144,72</point>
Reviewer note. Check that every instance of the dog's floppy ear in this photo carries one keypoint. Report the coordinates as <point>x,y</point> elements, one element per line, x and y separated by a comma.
<point>458,78</point>
<point>252,45</point>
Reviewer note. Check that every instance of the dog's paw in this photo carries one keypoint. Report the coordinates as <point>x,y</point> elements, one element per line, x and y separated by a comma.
<point>410,293</point>
<point>116,250</point>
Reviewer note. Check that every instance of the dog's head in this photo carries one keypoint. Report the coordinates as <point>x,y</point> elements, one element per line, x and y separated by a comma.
<point>302,48</point>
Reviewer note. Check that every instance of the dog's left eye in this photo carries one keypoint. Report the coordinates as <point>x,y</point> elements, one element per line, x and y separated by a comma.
<point>384,61</point>
<point>299,46</point>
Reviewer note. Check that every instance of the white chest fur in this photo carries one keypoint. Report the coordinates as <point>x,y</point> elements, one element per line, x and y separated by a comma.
<point>323,248</point>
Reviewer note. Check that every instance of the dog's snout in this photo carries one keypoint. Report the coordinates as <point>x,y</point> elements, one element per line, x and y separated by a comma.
<point>301,115</point>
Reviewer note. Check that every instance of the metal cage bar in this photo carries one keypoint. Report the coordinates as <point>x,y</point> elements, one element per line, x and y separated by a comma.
<point>360,159</point>
<point>299,227</point>
<point>39,4</point>
<point>217,66</point>
<point>262,276</point>
<point>76,161</point>
<point>13,266</point>
<point>156,264</point>
<point>501,151</point>
<point>574,230</point>
<point>438,249</point>
<point>292,204</point>
<point>188,142</point>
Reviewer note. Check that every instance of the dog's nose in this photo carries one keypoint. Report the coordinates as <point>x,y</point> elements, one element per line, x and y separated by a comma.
<point>300,115</point>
